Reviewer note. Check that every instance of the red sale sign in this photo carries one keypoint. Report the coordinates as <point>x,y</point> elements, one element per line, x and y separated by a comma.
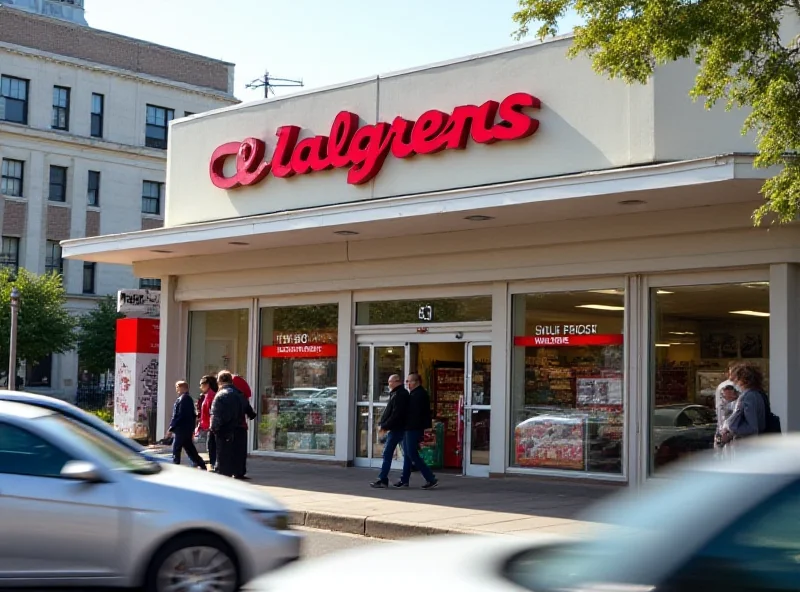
<point>568,340</point>
<point>309,350</point>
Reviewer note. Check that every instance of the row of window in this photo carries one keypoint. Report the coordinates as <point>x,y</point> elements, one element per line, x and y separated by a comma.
<point>13,176</point>
<point>14,98</point>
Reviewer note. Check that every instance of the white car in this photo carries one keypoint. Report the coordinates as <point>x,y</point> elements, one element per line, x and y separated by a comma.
<point>79,509</point>
<point>713,524</point>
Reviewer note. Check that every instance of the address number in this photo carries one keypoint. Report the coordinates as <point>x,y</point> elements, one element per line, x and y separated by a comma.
<point>426,313</point>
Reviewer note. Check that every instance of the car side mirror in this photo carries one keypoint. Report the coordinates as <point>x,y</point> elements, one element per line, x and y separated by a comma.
<point>81,471</point>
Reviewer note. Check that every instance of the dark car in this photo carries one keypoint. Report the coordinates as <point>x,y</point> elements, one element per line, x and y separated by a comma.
<point>79,415</point>
<point>679,430</point>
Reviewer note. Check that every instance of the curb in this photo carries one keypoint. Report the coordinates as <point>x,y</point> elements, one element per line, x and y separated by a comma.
<point>366,526</point>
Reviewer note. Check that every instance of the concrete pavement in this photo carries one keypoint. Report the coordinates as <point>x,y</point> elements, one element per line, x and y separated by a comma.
<point>340,499</point>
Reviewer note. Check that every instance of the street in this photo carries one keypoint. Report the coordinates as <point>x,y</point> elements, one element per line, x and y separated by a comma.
<point>321,542</point>
<point>317,544</point>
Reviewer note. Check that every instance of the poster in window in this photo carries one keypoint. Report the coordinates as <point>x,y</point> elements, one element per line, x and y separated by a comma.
<point>551,441</point>
<point>599,392</point>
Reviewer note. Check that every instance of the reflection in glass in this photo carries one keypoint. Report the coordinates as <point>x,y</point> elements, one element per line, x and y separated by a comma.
<point>479,454</point>
<point>297,411</point>
<point>413,312</point>
<point>482,375</point>
<point>388,361</point>
<point>567,381</point>
<point>362,374</point>
<point>362,431</point>
<point>217,341</point>
<point>697,333</point>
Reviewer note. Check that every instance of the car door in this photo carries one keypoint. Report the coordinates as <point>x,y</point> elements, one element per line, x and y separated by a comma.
<point>759,552</point>
<point>51,527</point>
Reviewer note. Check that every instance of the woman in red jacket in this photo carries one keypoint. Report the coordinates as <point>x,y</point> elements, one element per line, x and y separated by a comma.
<point>208,386</point>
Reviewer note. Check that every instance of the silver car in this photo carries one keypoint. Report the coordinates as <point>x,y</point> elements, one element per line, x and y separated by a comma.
<point>78,509</point>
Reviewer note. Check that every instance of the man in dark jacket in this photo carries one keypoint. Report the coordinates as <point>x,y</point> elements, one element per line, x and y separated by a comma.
<point>182,427</point>
<point>240,434</point>
<point>393,421</point>
<point>419,419</point>
<point>227,414</point>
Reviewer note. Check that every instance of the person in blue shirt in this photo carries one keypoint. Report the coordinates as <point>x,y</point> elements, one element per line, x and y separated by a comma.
<point>182,427</point>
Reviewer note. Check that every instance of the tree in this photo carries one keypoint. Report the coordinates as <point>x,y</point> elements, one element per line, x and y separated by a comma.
<point>97,331</point>
<point>743,60</point>
<point>44,325</point>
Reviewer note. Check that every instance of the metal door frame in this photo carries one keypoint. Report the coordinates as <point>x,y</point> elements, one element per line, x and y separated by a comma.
<point>370,405</point>
<point>469,469</point>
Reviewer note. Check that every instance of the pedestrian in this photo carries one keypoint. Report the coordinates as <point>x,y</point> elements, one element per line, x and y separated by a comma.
<point>749,417</point>
<point>208,388</point>
<point>419,419</point>
<point>392,427</point>
<point>227,412</point>
<point>240,436</point>
<point>182,427</point>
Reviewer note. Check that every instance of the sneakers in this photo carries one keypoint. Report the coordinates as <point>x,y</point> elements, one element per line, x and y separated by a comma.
<point>379,484</point>
<point>431,484</point>
<point>400,485</point>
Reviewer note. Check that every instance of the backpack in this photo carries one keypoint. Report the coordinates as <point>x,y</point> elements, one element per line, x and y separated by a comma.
<point>772,423</point>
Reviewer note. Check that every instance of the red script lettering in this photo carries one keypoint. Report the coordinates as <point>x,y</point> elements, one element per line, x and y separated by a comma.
<point>363,150</point>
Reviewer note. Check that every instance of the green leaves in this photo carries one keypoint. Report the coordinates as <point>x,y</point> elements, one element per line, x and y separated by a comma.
<point>742,58</point>
<point>44,325</point>
<point>97,337</point>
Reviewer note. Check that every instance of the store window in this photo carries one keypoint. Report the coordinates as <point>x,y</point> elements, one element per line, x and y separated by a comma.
<point>217,341</point>
<point>697,332</point>
<point>414,312</point>
<point>297,379</point>
<point>567,407</point>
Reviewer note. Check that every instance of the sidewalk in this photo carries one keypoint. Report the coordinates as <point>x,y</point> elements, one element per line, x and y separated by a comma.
<point>340,499</point>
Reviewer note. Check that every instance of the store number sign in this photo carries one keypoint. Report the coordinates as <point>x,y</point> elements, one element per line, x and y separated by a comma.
<point>426,313</point>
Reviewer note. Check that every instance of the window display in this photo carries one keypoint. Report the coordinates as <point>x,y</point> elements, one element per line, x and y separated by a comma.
<point>697,333</point>
<point>567,381</point>
<point>297,379</point>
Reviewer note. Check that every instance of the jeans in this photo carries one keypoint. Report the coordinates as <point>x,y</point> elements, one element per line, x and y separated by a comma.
<point>411,457</point>
<point>393,440</point>
<point>182,442</point>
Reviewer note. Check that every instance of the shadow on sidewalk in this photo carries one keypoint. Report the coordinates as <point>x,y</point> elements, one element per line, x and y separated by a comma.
<point>511,494</point>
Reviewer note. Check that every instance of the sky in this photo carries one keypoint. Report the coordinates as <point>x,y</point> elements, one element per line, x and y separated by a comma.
<point>317,41</point>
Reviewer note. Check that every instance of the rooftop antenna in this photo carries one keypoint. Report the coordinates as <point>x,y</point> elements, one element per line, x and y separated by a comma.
<point>269,84</point>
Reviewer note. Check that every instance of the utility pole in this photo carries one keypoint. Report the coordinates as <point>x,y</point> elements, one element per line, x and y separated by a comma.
<point>269,84</point>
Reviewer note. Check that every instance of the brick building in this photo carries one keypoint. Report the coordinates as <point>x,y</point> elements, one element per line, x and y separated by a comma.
<point>84,120</point>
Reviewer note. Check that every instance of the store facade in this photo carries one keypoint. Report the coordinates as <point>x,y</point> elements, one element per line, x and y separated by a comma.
<point>568,262</point>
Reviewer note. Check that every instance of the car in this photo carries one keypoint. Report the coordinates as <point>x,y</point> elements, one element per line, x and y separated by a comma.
<point>680,430</point>
<point>79,509</point>
<point>709,524</point>
<point>79,415</point>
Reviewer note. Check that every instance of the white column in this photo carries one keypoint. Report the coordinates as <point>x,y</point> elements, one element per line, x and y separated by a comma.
<point>784,344</point>
<point>345,382</point>
<point>498,422</point>
<point>32,257</point>
<point>171,352</point>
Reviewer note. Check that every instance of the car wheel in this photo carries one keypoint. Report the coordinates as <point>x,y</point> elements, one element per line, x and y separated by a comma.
<point>197,563</point>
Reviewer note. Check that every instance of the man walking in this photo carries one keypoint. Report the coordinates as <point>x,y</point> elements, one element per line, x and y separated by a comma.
<point>419,419</point>
<point>182,427</point>
<point>227,414</point>
<point>393,421</point>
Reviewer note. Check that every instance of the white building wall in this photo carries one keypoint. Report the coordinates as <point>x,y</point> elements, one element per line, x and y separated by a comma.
<point>120,156</point>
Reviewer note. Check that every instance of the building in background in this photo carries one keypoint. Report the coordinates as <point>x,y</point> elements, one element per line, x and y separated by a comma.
<point>84,120</point>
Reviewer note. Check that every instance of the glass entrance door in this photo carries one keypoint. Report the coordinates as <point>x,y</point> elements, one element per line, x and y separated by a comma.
<point>376,363</point>
<point>477,409</point>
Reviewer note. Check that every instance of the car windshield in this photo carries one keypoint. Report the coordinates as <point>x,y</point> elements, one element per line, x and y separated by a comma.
<point>114,454</point>
<point>628,554</point>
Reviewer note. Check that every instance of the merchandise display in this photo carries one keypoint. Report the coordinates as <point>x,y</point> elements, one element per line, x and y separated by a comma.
<point>573,413</point>
<point>448,389</point>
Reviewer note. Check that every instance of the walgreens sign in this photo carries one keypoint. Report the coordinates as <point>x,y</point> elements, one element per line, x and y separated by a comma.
<point>362,150</point>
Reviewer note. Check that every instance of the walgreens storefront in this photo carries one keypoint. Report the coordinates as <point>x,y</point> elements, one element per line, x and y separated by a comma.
<point>568,262</point>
